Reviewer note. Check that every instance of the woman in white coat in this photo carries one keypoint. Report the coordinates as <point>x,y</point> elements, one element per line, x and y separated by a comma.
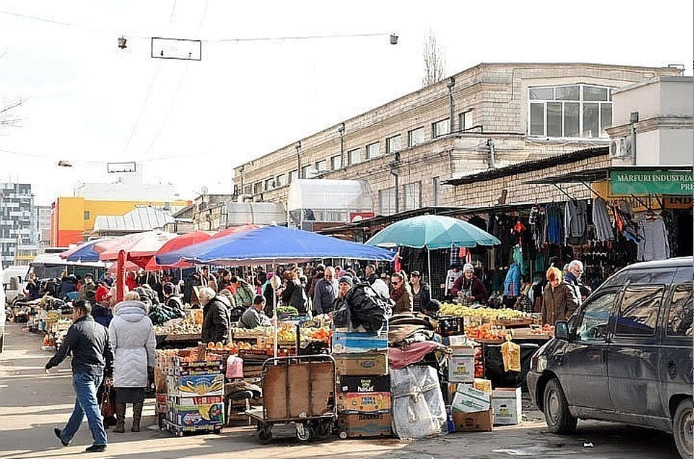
<point>132,338</point>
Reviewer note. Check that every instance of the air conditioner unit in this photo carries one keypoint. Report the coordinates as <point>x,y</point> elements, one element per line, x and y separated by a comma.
<point>620,148</point>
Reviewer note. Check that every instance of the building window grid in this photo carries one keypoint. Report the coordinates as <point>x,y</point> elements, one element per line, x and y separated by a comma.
<point>353,157</point>
<point>386,201</point>
<point>373,150</point>
<point>573,111</point>
<point>441,128</point>
<point>465,120</point>
<point>393,144</point>
<point>322,165</point>
<point>336,162</point>
<point>281,180</point>
<point>293,176</point>
<point>411,196</point>
<point>415,137</point>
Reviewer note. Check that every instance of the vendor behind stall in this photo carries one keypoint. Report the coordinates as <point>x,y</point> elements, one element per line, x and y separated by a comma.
<point>216,311</point>
<point>254,315</point>
<point>469,287</point>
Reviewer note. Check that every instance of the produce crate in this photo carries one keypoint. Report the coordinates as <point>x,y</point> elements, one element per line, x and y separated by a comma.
<point>364,425</point>
<point>196,385</point>
<point>360,403</point>
<point>354,342</point>
<point>180,367</point>
<point>195,415</point>
<point>451,325</point>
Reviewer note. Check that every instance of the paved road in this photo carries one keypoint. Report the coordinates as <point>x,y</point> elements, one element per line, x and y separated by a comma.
<point>32,403</point>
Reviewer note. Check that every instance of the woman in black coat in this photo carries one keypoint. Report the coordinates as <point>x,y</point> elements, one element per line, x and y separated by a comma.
<point>421,293</point>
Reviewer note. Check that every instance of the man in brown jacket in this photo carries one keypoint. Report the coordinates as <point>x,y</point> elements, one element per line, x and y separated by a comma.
<point>559,301</point>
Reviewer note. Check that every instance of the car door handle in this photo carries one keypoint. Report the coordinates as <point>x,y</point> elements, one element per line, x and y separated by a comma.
<point>671,369</point>
<point>603,356</point>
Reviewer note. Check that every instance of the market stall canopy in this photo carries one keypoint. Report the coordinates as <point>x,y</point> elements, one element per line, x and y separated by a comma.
<point>179,242</point>
<point>234,230</point>
<point>139,247</point>
<point>274,243</point>
<point>432,232</point>
<point>82,252</point>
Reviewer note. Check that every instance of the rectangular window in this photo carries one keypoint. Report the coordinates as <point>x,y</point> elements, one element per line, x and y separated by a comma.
<point>322,166</point>
<point>386,201</point>
<point>248,189</point>
<point>537,119</point>
<point>679,321</point>
<point>393,144</point>
<point>373,150</point>
<point>465,120</point>
<point>436,183</point>
<point>571,119</point>
<point>590,120</point>
<point>411,196</point>
<point>605,118</point>
<point>336,162</point>
<point>415,137</point>
<point>353,157</point>
<point>305,170</point>
<point>281,180</point>
<point>257,188</point>
<point>293,176</point>
<point>638,312</point>
<point>441,127</point>
<point>554,119</point>
<point>87,214</point>
<point>269,184</point>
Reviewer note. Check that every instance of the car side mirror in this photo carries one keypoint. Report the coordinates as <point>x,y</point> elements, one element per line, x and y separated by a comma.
<point>561,330</point>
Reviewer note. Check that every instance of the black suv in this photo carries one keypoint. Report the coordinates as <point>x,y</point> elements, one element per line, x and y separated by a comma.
<point>625,355</point>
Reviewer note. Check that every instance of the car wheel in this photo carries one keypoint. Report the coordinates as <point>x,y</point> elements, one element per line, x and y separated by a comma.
<point>682,428</point>
<point>556,409</point>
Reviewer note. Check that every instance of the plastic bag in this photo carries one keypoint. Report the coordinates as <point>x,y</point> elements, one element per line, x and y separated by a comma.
<point>510,352</point>
<point>418,407</point>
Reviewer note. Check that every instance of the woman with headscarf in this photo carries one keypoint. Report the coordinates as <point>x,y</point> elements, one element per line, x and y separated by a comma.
<point>469,287</point>
<point>132,337</point>
<point>559,301</point>
<point>401,293</point>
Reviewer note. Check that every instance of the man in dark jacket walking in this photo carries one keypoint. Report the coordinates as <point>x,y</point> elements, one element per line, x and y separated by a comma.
<point>216,312</point>
<point>326,292</point>
<point>92,360</point>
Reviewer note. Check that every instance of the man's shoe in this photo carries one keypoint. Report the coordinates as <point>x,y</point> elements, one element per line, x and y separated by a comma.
<point>96,449</point>
<point>57,431</point>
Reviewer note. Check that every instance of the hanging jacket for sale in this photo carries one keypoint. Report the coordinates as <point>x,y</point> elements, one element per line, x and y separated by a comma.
<point>512,282</point>
<point>653,244</point>
<point>601,219</point>
<point>575,222</point>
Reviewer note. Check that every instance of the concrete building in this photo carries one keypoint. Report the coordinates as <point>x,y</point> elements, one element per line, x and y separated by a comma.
<point>484,118</point>
<point>17,226</point>
<point>42,228</point>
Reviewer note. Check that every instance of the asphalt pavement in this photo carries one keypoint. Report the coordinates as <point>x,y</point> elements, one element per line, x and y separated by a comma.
<point>32,403</point>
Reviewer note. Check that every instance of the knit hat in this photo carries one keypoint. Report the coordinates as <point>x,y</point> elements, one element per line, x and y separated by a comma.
<point>468,267</point>
<point>347,280</point>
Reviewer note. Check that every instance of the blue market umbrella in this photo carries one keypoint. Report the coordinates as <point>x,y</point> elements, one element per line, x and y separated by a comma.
<point>273,243</point>
<point>432,232</point>
<point>83,252</point>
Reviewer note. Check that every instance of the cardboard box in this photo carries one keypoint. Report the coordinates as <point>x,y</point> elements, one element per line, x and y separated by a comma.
<point>371,364</point>
<point>364,383</point>
<point>508,406</point>
<point>364,425</point>
<point>467,399</point>
<point>196,415</point>
<point>456,341</point>
<point>484,385</point>
<point>195,385</point>
<point>358,343</point>
<point>461,365</point>
<point>480,421</point>
<point>360,403</point>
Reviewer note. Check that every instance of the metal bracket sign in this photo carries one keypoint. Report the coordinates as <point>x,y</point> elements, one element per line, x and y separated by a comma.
<point>644,182</point>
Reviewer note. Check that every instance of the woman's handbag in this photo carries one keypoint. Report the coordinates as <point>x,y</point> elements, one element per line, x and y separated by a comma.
<point>108,407</point>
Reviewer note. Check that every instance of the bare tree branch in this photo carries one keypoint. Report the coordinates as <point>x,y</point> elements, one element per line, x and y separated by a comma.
<point>8,116</point>
<point>434,62</point>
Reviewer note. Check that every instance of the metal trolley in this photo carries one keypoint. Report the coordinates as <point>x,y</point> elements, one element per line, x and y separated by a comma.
<point>297,390</point>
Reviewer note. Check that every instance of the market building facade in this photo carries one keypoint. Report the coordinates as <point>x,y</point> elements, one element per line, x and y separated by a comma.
<point>484,118</point>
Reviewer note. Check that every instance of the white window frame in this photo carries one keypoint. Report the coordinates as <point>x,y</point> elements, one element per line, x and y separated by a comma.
<point>465,120</point>
<point>393,144</point>
<point>411,196</point>
<point>281,180</point>
<point>353,157</point>
<point>305,170</point>
<point>581,103</point>
<point>440,128</point>
<point>269,184</point>
<point>413,137</point>
<point>322,165</point>
<point>293,176</point>
<point>336,162</point>
<point>386,201</point>
<point>373,150</point>
<point>436,185</point>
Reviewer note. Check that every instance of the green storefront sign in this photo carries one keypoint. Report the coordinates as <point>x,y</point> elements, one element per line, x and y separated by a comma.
<point>643,182</point>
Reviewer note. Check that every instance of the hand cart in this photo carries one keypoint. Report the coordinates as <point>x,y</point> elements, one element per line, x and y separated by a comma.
<point>297,390</point>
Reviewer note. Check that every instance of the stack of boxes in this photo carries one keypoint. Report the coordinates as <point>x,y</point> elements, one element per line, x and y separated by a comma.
<point>363,396</point>
<point>195,396</point>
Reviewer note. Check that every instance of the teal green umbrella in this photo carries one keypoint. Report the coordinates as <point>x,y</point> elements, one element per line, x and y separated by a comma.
<point>432,232</point>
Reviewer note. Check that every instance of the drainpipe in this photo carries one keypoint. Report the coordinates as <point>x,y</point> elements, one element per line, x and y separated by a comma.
<point>490,158</point>
<point>298,159</point>
<point>393,171</point>
<point>341,130</point>
<point>451,120</point>
<point>633,119</point>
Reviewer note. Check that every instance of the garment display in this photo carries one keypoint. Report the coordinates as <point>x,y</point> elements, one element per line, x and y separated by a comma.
<point>653,243</point>
<point>552,233</point>
<point>575,222</point>
<point>512,283</point>
<point>601,220</point>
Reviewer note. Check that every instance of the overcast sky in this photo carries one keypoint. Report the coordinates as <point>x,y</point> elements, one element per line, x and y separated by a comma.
<point>88,102</point>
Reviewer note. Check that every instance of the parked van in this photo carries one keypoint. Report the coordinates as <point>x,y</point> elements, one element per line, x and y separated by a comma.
<point>624,356</point>
<point>14,280</point>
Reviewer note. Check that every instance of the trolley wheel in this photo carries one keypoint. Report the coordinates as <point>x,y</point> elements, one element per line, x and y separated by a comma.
<point>304,432</point>
<point>343,435</point>
<point>264,434</point>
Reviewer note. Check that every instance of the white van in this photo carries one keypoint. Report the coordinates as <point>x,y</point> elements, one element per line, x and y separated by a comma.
<point>14,281</point>
<point>3,315</point>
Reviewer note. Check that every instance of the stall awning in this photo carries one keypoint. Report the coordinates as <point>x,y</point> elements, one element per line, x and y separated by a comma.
<point>631,180</point>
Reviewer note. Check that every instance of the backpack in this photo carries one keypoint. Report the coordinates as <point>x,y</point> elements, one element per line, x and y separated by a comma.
<point>368,308</point>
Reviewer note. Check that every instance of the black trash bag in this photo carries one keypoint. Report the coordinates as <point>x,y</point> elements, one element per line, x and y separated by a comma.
<point>368,308</point>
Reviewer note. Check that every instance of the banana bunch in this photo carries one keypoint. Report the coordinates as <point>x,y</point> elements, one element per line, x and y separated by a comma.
<point>450,309</point>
